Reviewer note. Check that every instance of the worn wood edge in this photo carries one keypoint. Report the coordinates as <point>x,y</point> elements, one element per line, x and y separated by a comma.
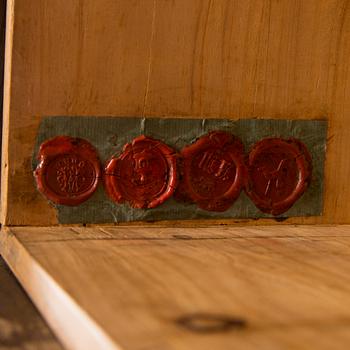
<point>32,235</point>
<point>71,324</point>
<point>10,13</point>
<point>21,325</point>
<point>295,220</point>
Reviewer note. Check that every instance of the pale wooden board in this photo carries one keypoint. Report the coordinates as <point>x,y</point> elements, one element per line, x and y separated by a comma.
<point>226,58</point>
<point>125,288</point>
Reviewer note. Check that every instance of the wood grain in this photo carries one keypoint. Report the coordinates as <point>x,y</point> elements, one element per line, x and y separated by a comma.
<point>140,288</point>
<point>227,59</point>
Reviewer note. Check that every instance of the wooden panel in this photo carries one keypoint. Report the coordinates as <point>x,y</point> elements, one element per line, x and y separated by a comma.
<point>226,58</point>
<point>85,58</point>
<point>132,288</point>
<point>245,58</point>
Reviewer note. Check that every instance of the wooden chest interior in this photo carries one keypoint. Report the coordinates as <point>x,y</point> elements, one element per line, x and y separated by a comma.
<point>166,281</point>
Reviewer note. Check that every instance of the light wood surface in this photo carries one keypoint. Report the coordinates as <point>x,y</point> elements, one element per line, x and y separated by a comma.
<point>134,288</point>
<point>226,58</point>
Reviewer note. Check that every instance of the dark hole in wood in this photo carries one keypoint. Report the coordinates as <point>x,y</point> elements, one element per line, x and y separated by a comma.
<point>281,219</point>
<point>210,323</point>
<point>185,237</point>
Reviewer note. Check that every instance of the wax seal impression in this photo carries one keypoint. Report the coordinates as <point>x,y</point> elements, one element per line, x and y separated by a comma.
<point>212,171</point>
<point>144,175</point>
<point>69,170</point>
<point>279,172</point>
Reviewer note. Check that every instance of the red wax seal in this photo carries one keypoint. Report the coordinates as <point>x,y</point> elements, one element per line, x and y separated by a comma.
<point>279,172</point>
<point>145,174</point>
<point>69,170</point>
<point>213,171</point>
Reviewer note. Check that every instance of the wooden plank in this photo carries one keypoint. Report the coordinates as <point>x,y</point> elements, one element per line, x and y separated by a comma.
<point>228,58</point>
<point>21,326</point>
<point>142,288</point>
<point>63,312</point>
<point>157,232</point>
<point>6,109</point>
<point>88,58</point>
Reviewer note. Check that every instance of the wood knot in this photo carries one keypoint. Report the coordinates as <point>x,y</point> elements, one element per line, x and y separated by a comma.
<point>210,323</point>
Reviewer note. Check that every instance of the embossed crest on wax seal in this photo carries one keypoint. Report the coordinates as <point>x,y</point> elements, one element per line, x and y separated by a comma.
<point>69,170</point>
<point>279,172</point>
<point>213,171</point>
<point>144,175</point>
